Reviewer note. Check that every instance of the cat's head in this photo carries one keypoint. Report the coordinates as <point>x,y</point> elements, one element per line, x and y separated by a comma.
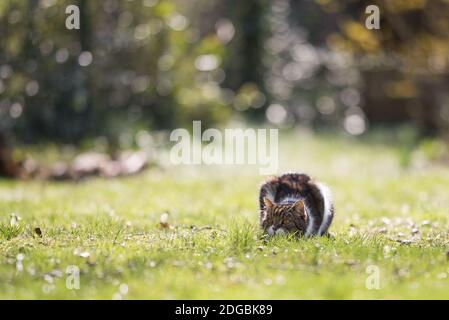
<point>283,218</point>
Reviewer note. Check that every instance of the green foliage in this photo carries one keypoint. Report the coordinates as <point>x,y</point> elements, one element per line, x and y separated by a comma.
<point>132,64</point>
<point>9,232</point>
<point>241,236</point>
<point>160,64</point>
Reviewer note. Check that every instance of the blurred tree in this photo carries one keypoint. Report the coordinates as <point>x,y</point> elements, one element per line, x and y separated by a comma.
<point>324,67</point>
<point>405,64</point>
<point>244,68</point>
<point>158,64</point>
<point>132,65</point>
<point>8,167</point>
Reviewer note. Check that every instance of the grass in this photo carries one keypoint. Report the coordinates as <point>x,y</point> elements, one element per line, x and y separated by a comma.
<point>388,218</point>
<point>9,232</point>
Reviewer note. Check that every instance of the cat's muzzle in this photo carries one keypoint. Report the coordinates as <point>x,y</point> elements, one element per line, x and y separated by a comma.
<point>272,231</point>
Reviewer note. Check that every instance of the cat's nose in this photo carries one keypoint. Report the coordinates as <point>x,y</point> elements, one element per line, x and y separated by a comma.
<point>280,231</point>
<point>272,230</point>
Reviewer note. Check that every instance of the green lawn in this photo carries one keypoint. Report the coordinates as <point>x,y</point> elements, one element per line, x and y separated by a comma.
<point>388,218</point>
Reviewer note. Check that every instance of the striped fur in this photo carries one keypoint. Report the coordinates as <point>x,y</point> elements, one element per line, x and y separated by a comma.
<point>315,215</point>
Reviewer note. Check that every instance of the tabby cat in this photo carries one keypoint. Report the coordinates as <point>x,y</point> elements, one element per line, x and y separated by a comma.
<point>294,203</point>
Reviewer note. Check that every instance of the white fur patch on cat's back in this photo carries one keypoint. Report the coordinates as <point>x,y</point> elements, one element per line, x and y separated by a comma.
<point>328,204</point>
<point>310,223</point>
<point>271,192</point>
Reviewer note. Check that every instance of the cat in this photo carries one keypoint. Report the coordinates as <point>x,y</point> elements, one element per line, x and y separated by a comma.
<point>294,203</point>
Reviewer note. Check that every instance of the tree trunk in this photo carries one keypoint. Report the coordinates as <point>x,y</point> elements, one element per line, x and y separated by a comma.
<point>8,168</point>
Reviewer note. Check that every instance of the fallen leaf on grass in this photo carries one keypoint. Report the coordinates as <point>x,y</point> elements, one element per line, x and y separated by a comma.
<point>38,231</point>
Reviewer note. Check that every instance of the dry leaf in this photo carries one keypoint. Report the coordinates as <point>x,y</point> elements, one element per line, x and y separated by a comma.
<point>38,231</point>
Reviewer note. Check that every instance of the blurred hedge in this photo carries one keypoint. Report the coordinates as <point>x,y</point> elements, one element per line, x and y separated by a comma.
<point>151,64</point>
<point>159,64</point>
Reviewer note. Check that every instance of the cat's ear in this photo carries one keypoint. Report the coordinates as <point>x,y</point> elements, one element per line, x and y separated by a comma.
<point>299,205</point>
<point>268,203</point>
